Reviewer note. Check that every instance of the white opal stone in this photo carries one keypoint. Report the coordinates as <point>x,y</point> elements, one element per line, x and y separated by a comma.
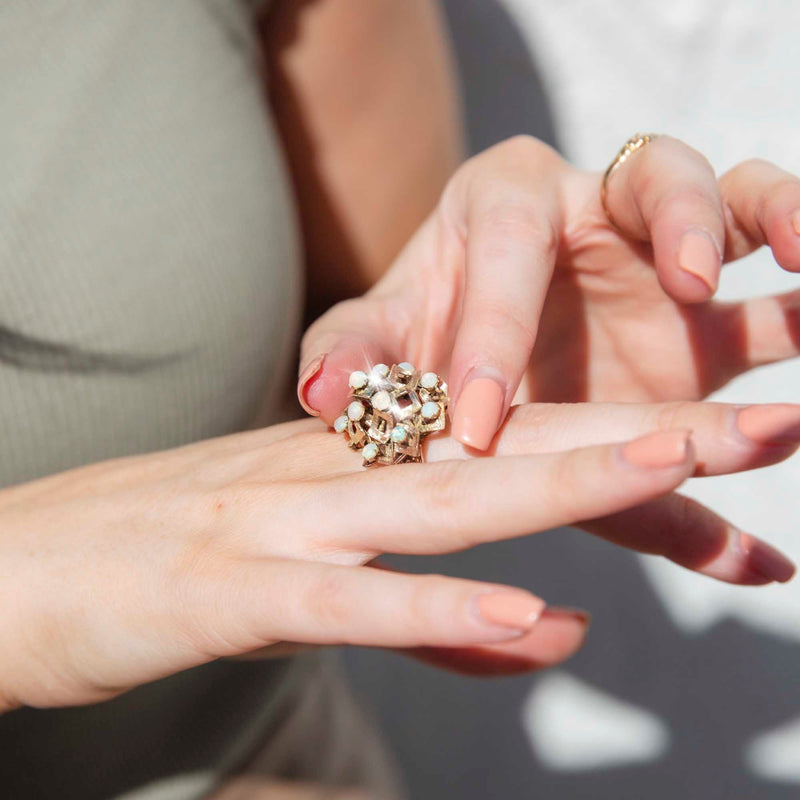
<point>429,380</point>
<point>358,379</point>
<point>399,434</point>
<point>430,410</point>
<point>381,401</point>
<point>406,366</point>
<point>340,424</point>
<point>380,370</point>
<point>370,451</point>
<point>355,411</point>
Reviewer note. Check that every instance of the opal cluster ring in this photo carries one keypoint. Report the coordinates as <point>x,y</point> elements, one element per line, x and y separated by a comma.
<point>633,145</point>
<point>391,410</point>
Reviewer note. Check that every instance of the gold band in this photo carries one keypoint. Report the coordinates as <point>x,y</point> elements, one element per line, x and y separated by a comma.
<point>636,142</point>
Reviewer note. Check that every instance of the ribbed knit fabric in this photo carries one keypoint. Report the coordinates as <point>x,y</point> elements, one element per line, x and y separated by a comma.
<point>149,297</point>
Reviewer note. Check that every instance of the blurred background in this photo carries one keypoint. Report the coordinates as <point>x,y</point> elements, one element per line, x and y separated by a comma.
<point>685,687</point>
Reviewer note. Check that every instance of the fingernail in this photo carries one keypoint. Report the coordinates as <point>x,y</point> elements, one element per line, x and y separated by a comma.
<point>566,612</point>
<point>796,221</point>
<point>765,560</point>
<point>699,256</point>
<point>658,450</point>
<point>516,610</point>
<point>770,425</point>
<point>304,382</point>
<point>477,414</point>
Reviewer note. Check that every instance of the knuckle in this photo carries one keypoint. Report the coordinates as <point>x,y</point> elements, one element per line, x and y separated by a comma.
<point>750,165</point>
<point>420,602</point>
<point>773,202</point>
<point>672,415</point>
<point>521,222</point>
<point>566,475</point>
<point>506,323</point>
<point>689,198</point>
<point>529,147</point>
<point>327,600</point>
<point>441,499</point>
<point>532,428</point>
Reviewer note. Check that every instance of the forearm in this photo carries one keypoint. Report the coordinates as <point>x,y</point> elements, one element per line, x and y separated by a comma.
<point>365,96</point>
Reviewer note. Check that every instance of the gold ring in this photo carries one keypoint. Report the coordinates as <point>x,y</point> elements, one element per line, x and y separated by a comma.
<point>391,410</point>
<point>636,142</point>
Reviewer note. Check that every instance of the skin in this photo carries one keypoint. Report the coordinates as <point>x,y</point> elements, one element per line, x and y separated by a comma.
<point>129,570</point>
<point>583,311</point>
<point>364,177</point>
<point>218,547</point>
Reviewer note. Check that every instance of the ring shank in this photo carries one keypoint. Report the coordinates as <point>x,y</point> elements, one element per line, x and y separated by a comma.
<point>634,144</point>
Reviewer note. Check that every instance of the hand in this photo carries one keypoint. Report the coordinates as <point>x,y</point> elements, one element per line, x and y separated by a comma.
<point>517,226</point>
<point>125,571</point>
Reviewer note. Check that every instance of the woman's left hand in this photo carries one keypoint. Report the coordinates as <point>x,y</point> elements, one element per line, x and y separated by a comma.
<point>518,288</point>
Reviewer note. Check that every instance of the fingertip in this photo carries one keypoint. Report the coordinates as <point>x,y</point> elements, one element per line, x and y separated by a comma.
<point>783,237</point>
<point>766,560</point>
<point>690,272</point>
<point>478,413</point>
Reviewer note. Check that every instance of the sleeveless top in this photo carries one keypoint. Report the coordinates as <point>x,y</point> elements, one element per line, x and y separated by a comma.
<point>150,296</point>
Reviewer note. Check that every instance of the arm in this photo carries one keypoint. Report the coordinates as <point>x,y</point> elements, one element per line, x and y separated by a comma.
<point>365,97</point>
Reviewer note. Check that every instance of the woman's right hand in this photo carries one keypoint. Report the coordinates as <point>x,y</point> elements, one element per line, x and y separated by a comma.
<point>119,573</point>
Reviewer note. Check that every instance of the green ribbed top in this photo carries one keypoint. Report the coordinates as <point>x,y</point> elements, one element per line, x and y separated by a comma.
<point>149,296</point>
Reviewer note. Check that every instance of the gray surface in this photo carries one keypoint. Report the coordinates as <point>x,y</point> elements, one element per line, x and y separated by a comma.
<point>462,737</point>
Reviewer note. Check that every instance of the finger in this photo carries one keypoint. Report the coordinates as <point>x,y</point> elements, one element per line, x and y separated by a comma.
<point>352,336</point>
<point>750,333</point>
<point>453,505</point>
<point>269,600</point>
<point>507,203</point>
<point>688,533</point>
<point>667,194</point>
<point>557,636</point>
<point>383,327</point>
<point>762,203</point>
<point>727,438</point>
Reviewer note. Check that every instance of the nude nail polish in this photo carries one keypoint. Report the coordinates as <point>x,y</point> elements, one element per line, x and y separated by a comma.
<point>477,414</point>
<point>771,425</point>
<point>309,372</point>
<point>515,610</point>
<point>765,560</point>
<point>699,255</point>
<point>658,450</point>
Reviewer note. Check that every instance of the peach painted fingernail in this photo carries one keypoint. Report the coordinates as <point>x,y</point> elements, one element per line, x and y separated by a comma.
<point>658,450</point>
<point>796,221</point>
<point>770,425</point>
<point>516,610</point>
<point>477,414</point>
<point>304,381</point>
<point>764,559</point>
<point>568,613</point>
<point>699,256</point>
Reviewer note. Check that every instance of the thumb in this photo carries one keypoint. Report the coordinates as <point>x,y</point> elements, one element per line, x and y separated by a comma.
<point>354,335</point>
